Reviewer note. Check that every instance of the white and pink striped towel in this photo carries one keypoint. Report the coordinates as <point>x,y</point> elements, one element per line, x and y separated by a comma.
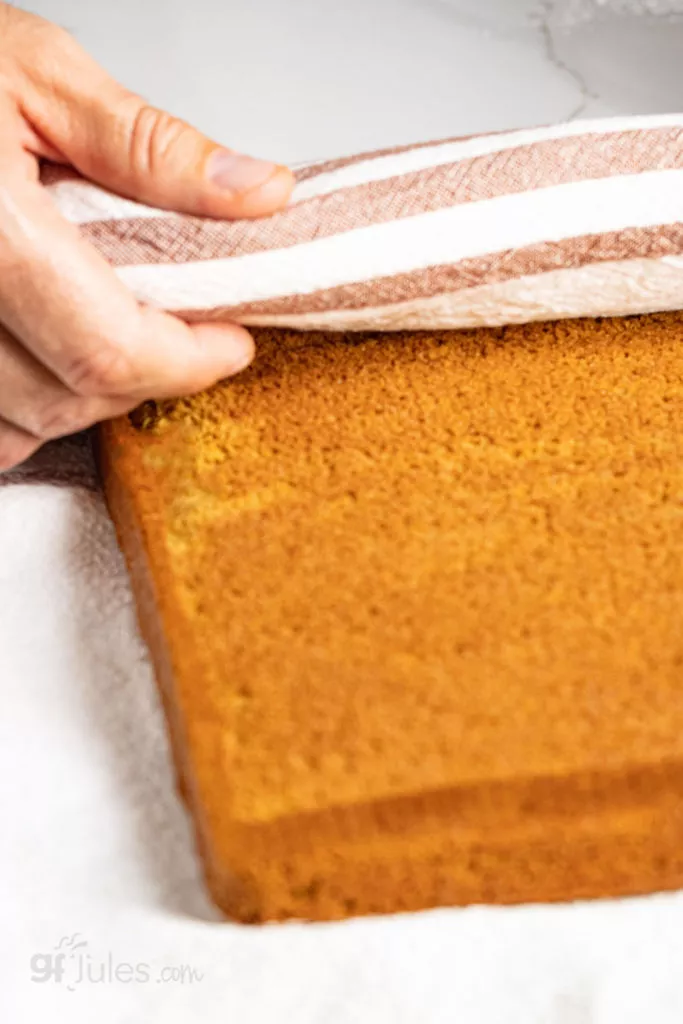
<point>580,219</point>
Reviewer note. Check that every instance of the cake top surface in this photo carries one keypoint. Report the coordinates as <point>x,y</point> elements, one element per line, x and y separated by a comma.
<point>408,563</point>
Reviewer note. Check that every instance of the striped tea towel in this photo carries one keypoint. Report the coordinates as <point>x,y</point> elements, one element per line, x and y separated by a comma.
<point>580,219</point>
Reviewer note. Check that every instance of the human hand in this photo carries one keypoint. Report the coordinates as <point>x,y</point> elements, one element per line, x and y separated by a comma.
<point>75,345</point>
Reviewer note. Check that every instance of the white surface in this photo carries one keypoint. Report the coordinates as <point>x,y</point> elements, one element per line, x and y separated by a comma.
<point>94,841</point>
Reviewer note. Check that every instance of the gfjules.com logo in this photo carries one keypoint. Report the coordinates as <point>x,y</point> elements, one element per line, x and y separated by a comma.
<point>72,964</point>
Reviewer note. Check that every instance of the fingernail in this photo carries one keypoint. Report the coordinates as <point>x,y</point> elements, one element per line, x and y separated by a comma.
<point>239,173</point>
<point>243,352</point>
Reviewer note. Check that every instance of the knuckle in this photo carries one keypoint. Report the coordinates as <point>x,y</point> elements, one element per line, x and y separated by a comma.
<point>155,135</point>
<point>43,31</point>
<point>7,73</point>
<point>36,43</point>
<point>61,418</point>
<point>55,41</point>
<point>14,449</point>
<point>33,52</point>
<point>104,371</point>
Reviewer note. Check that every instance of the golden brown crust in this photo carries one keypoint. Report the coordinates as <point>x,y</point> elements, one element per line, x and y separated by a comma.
<point>413,604</point>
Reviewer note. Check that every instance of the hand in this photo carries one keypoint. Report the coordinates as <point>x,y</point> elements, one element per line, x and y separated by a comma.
<point>75,345</point>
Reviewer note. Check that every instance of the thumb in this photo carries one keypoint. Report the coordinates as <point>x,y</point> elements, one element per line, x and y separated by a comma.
<point>149,155</point>
<point>117,139</point>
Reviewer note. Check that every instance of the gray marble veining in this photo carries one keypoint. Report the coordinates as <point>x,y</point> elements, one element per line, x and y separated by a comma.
<point>309,78</point>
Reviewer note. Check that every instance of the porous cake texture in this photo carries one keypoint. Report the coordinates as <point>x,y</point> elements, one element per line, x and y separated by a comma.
<point>414,603</point>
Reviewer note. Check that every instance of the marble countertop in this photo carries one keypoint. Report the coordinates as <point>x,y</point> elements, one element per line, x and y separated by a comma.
<point>95,843</point>
<point>302,79</point>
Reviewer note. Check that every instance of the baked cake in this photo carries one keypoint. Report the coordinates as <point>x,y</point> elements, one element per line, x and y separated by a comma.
<point>413,602</point>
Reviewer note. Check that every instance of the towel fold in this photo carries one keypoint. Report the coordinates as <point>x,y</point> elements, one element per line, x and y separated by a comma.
<point>579,219</point>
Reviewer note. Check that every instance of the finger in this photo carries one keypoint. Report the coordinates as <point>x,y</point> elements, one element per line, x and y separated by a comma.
<point>64,303</point>
<point>37,403</point>
<point>16,159</point>
<point>15,446</point>
<point>117,139</point>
